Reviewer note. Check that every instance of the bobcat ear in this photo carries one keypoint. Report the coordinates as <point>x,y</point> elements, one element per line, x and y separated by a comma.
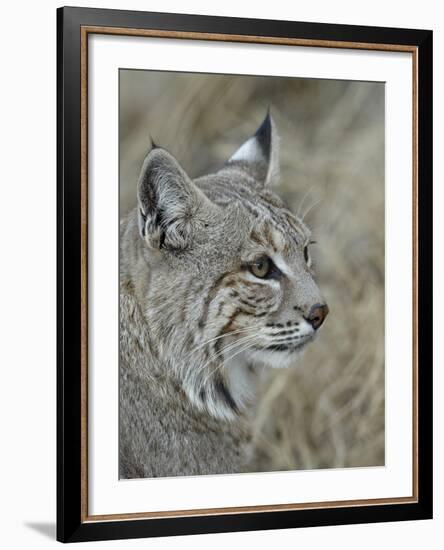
<point>259,155</point>
<point>167,201</point>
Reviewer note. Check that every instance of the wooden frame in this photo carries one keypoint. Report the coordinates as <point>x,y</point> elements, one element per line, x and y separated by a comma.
<point>74,25</point>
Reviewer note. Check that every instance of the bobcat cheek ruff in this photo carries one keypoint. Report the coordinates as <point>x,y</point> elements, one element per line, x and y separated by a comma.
<point>220,271</point>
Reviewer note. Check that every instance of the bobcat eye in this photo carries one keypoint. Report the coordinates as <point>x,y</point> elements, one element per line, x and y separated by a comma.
<point>264,268</point>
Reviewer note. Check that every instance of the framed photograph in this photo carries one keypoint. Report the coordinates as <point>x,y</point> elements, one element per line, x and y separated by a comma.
<point>244,274</point>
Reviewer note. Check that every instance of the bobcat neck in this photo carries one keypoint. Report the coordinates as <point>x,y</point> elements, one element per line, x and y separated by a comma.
<point>162,432</point>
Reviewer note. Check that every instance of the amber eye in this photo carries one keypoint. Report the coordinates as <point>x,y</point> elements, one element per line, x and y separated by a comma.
<point>261,268</point>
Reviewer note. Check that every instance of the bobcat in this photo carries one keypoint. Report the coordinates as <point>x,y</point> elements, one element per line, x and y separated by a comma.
<point>215,285</point>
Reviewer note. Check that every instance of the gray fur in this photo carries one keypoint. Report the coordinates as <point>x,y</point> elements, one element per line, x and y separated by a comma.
<point>196,326</point>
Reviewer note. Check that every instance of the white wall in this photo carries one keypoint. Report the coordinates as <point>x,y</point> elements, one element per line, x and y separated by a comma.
<point>27,229</point>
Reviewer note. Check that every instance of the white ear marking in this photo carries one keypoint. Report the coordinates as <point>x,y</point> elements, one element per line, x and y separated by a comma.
<point>250,151</point>
<point>259,154</point>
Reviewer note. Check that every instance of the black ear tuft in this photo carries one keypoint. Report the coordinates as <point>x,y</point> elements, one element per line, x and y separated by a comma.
<point>263,136</point>
<point>259,155</point>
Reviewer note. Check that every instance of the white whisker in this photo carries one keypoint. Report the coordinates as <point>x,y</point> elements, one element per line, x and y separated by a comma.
<point>248,345</point>
<point>238,331</point>
<point>305,214</point>
<point>301,204</point>
<point>229,347</point>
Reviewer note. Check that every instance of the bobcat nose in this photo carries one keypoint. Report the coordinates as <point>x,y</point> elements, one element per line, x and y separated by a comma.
<point>317,315</point>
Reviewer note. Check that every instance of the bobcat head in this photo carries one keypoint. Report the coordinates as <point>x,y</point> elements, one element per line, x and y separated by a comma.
<point>223,273</point>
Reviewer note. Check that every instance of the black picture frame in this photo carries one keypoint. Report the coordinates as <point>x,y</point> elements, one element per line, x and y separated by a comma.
<point>71,523</point>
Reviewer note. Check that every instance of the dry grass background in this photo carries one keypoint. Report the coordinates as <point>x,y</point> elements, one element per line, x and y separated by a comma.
<point>328,412</point>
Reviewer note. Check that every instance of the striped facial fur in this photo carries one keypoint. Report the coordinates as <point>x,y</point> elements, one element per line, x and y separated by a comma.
<point>222,272</point>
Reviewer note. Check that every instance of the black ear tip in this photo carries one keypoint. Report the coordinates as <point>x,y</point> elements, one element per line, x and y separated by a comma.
<point>263,133</point>
<point>267,118</point>
<point>153,144</point>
